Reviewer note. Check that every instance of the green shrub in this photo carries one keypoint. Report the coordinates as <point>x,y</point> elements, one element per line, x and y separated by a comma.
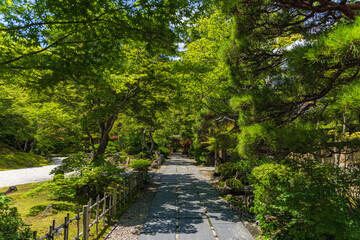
<point>235,185</point>
<point>142,155</point>
<point>198,152</point>
<point>11,225</point>
<point>140,164</point>
<point>243,169</point>
<point>71,164</point>
<point>88,180</point>
<point>311,204</point>
<point>132,150</point>
<point>164,151</point>
<point>226,170</point>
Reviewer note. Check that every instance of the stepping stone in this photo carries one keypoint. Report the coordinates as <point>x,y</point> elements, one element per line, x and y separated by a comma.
<point>163,201</point>
<point>192,212</point>
<point>195,229</point>
<point>232,231</point>
<point>193,204</point>
<point>208,195</point>
<point>157,236</point>
<point>223,217</point>
<point>159,229</point>
<point>166,194</point>
<point>163,211</point>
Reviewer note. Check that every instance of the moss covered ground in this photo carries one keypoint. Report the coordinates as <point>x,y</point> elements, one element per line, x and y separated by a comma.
<point>32,210</point>
<point>10,158</point>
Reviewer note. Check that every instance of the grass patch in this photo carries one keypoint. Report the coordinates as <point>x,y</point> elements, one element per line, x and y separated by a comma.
<point>32,210</point>
<point>10,158</point>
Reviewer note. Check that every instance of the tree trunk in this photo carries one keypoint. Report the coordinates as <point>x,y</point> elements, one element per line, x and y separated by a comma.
<point>26,145</point>
<point>152,141</point>
<point>105,128</point>
<point>144,141</point>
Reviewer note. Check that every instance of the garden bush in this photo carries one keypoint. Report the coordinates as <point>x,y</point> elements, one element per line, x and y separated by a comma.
<point>235,185</point>
<point>132,150</point>
<point>140,164</point>
<point>198,152</point>
<point>227,170</point>
<point>11,225</point>
<point>87,180</point>
<point>164,151</point>
<point>307,204</point>
<point>142,155</point>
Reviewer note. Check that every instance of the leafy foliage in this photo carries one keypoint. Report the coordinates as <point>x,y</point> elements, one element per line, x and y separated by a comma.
<point>296,205</point>
<point>86,179</point>
<point>11,225</point>
<point>235,185</point>
<point>227,170</point>
<point>164,150</point>
<point>140,164</point>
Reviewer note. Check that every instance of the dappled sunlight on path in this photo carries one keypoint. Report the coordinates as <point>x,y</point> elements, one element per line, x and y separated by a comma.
<point>186,206</point>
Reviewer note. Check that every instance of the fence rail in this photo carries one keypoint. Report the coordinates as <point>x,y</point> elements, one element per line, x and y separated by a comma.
<point>118,197</point>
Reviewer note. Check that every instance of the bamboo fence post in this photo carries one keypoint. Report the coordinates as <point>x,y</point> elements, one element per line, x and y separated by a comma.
<point>78,223</point>
<point>66,227</point>
<point>50,232</point>
<point>110,201</point>
<point>120,197</point>
<point>85,222</point>
<point>129,185</point>
<point>123,191</point>
<point>104,209</point>
<point>114,202</point>
<point>136,188</point>
<point>90,203</point>
<point>126,189</point>
<point>97,214</point>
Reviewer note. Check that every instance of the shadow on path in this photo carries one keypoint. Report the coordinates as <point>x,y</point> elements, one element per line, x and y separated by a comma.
<point>187,207</point>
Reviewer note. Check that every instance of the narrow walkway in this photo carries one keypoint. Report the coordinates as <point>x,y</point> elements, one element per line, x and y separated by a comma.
<point>187,207</point>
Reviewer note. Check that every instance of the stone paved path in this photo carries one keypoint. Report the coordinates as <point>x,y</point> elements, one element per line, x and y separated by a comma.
<point>187,207</point>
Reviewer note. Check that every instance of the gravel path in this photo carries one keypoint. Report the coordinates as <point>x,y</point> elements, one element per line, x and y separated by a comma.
<point>28,175</point>
<point>131,221</point>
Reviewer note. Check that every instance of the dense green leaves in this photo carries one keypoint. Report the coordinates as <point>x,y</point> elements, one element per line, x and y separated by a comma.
<point>11,224</point>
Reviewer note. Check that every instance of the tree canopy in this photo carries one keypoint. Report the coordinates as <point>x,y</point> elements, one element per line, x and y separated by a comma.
<point>269,89</point>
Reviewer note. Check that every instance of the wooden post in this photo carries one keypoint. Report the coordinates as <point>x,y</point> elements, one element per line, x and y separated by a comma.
<point>120,197</point>
<point>104,209</point>
<point>78,223</point>
<point>130,186</point>
<point>110,201</point>
<point>35,235</point>
<point>89,216</point>
<point>50,232</point>
<point>138,181</point>
<point>97,214</point>
<point>127,188</point>
<point>114,202</point>
<point>123,191</point>
<point>66,227</point>
<point>85,222</point>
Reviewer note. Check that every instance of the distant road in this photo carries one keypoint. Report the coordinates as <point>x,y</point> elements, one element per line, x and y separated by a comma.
<point>28,175</point>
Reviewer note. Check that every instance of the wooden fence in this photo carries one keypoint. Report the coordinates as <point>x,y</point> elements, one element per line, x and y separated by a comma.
<point>109,203</point>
